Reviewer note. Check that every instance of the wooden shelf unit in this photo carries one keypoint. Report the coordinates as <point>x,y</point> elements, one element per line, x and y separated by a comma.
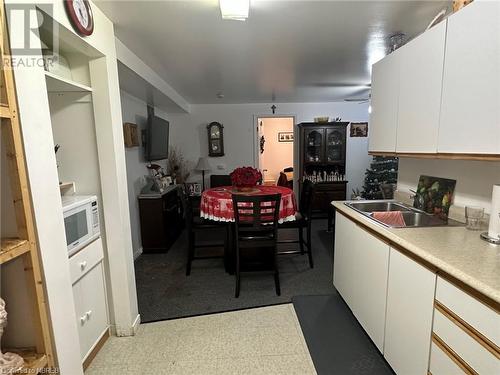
<point>60,84</point>
<point>24,246</point>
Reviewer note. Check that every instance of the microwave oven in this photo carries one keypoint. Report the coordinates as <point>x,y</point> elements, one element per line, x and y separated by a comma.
<point>81,221</point>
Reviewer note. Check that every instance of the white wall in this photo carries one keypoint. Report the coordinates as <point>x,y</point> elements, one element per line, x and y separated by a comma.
<point>135,111</point>
<point>188,131</point>
<point>276,155</point>
<point>475,179</point>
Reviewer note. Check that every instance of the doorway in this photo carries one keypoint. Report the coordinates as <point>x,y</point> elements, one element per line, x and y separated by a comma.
<point>275,139</point>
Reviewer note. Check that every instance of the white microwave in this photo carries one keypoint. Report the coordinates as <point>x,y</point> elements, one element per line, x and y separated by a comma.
<point>81,221</point>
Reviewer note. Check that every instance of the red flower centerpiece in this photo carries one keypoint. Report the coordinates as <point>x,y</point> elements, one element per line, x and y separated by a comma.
<point>245,178</point>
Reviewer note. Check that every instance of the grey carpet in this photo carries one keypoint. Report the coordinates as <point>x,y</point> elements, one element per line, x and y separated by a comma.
<point>336,341</point>
<point>165,292</point>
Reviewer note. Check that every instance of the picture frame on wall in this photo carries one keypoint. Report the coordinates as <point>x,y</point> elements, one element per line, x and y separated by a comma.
<point>130,135</point>
<point>359,129</point>
<point>285,136</point>
<point>193,188</point>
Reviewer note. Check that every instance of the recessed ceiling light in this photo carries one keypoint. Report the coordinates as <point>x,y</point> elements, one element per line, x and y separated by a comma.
<point>234,9</point>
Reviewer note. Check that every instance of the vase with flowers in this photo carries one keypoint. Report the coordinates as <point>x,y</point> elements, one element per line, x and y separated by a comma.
<point>245,178</point>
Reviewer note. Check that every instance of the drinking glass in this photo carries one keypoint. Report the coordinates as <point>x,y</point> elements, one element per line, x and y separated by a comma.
<point>473,217</point>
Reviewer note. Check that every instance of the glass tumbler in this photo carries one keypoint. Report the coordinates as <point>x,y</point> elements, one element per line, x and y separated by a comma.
<point>474,217</point>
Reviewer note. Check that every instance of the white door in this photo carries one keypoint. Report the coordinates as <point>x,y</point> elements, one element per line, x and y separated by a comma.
<point>384,103</point>
<point>420,82</point>
<point>410,305</point>
<point>470,110</point>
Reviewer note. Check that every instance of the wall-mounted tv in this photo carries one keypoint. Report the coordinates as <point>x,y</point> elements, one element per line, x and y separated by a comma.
<point>156,138</point>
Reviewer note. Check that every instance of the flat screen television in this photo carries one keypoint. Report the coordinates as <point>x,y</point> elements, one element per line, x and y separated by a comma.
<point>157,138</point>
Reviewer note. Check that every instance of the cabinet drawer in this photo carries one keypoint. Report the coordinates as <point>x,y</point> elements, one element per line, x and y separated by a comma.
<point>466,347</point>
<point>85,260</point>
<point>442,364</point>
<point>476,314</point>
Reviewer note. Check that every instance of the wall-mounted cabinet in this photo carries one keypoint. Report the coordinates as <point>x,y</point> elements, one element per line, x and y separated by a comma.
<point>470,115</point>
<point>438,95</point>
<point>421,69</point>
<point>384,102</point>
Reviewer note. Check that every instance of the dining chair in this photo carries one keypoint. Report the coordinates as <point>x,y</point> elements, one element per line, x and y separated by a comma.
<point>303,220</point>
<point>256,230</point>
<point>217,180</point>
<point>196,225</point>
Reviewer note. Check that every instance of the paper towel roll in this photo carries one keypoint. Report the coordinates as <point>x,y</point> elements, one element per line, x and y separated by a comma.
<point>494,227</point>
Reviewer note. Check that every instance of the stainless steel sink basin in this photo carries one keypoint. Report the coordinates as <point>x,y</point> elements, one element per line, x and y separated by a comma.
<point>378,206</point>
<point>412,217</point>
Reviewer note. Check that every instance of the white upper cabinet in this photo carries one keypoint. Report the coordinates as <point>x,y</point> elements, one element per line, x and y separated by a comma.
<point>421,73</point>
<point>470,110</point>
<point>384,103</point>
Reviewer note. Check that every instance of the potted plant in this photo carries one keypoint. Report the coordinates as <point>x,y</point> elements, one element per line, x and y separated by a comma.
<point>245,178</point>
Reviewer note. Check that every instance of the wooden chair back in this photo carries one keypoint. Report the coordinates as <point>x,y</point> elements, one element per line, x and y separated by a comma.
<point>306,198</point>
<point>257,214</point>
<point>217,180</point>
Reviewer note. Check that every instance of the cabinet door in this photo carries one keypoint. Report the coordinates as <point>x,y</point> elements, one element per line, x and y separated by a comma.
<point>360,275</point>
<point>384,103</point>
<point>80,317</point>
<point>91,309</point>
<point>335,145</point>
<point>344,264</point>
<point>314,145</point>
<point>410,305</point>
<point>420,82</point>
<point>470,110</point>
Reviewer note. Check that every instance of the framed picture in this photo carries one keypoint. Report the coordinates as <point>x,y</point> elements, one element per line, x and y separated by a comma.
<point>193,188</point>
<point>130,135</point>
<point>359,129</point>
<point>285,136</point>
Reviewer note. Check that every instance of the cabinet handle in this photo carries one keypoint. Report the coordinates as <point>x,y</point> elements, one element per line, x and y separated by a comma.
<point>88,314</point>
<point>83,318</point>
<point>83,265</point>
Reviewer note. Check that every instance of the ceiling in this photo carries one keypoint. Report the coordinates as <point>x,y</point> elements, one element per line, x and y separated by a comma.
<point>292,51</point>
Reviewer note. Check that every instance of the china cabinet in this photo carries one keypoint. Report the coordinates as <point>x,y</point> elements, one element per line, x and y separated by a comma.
<point>322,160</point>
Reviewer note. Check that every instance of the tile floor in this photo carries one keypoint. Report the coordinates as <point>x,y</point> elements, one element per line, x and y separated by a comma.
<point>257,341</point>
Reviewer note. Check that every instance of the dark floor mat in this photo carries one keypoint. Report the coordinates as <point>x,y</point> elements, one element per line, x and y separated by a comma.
<point>336,341</point>
<point>165,292</point>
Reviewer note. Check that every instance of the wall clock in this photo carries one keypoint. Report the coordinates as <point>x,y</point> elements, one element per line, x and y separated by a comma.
<point>80,15</point>
<point>215,139</point>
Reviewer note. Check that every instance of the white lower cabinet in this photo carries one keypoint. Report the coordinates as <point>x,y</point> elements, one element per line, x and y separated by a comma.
<point>408,321</point>
<point>442,364</point>
<point>360,275</point>
<point>89,295</point>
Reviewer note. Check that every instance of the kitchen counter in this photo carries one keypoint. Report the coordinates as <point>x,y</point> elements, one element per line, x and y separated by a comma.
<point>454,252</point>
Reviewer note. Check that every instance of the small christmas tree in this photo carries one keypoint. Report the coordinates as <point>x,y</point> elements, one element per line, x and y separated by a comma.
<point>383,170</point>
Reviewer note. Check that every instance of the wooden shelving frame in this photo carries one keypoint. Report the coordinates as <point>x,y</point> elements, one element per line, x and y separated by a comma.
<point>25,245</point>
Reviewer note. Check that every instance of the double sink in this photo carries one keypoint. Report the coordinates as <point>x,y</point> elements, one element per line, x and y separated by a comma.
<point>412,217</point>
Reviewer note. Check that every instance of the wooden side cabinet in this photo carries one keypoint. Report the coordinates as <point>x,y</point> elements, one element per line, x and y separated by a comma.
<point>161,220</point>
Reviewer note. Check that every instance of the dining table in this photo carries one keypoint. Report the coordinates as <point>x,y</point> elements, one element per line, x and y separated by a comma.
<point>217,205</point>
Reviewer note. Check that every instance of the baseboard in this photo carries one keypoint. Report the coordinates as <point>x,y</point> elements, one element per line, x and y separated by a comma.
<point>137,253</point>
<point>93,352</point>
<point>135,325</point>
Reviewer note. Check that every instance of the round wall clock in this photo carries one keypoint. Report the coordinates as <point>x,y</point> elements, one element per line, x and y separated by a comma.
<point>80,15</point>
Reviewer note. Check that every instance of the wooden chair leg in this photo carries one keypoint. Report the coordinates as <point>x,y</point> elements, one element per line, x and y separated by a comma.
<point>309,247</point>
<point>237,275</point>
<point>301,240</point>
<point>277,283</point>
<point>191,240</point>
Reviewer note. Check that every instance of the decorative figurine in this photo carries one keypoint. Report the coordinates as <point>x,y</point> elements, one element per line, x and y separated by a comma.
<point>9,362</point>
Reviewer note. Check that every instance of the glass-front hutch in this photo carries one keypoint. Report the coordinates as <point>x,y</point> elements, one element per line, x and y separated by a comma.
<point>322,160</point>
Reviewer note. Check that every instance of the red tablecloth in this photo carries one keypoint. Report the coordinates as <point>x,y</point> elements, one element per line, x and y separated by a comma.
<point>217,204</point>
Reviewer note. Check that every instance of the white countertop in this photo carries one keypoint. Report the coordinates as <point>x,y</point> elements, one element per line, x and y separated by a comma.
<point>456,251</point>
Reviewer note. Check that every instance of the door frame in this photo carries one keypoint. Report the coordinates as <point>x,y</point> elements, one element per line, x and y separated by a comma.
<point>256,141</point>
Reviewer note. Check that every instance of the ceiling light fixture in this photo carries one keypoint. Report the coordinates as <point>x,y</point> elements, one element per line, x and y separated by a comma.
<point>234,9</point>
